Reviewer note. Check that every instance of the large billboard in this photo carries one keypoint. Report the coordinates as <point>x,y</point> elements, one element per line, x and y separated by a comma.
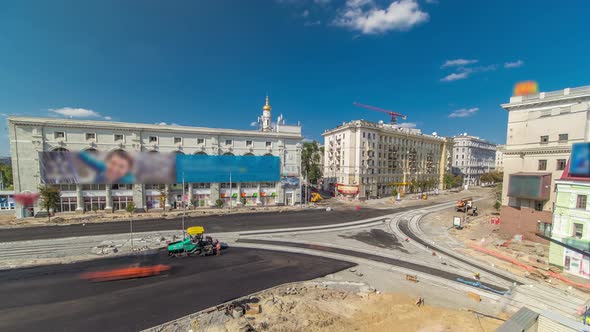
<point>204,168</point>
<point>120,167</point>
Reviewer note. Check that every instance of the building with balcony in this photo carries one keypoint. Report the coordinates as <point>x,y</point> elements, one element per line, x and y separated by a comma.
<point>472,157</point>
<point>541,130</point>
<point>364,159</point>
<point>31,135</point>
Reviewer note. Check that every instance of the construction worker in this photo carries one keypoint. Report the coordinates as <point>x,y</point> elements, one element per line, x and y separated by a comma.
<point>218,247</point>
<point>477,276</point>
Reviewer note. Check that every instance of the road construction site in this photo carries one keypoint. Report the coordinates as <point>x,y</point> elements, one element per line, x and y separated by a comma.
<point>387,252</point>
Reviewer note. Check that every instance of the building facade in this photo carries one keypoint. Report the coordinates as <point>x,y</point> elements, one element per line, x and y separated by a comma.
<point>364,159</point>
<point>541,130</point>
<point>472,157</point>
<point>499,158</point>
<point>571,226</point>
<point>29,136</point>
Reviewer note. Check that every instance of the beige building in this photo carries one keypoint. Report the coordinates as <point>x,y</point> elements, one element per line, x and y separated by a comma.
<point>364,159</point>
<point>499,158</point>
<point>541,130</point>
<point>31,135</point>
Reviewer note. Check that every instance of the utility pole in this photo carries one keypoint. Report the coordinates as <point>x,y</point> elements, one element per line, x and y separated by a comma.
<point>230,192</point>
<point>300,195</point>
<point>131,230</point>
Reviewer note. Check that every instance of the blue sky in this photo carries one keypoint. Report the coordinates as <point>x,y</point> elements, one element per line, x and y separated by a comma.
<point>446,64</point>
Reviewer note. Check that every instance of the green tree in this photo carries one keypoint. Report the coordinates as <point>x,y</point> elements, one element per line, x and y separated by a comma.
<point>50,197</point>
<point>452,181</point>
<point>6,174</point>
<point>310,161</point>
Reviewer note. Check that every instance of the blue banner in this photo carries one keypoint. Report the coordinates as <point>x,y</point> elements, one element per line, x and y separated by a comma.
<point>580,160</point>
<point>204,168</point>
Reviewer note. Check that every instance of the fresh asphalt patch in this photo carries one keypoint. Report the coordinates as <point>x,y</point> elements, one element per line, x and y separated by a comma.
<point>378,238</point>
<point>54,298</point>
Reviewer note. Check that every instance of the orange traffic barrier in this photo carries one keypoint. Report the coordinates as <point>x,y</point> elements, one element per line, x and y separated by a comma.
<point>525,266</point>
<point>125,273</point>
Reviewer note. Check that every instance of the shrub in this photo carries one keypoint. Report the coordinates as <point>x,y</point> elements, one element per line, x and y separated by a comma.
<point>219,203</point>
<point>130,208</point>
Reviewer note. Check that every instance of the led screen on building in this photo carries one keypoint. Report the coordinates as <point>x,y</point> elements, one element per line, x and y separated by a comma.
<point>580,160</point>
<point>525,186</point>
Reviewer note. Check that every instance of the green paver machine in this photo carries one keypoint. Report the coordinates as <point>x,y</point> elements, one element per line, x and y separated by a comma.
<point>193,244</point>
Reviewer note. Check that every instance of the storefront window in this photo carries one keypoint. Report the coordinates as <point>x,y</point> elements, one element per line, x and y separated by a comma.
<point>121,202</point>
<point>153,202</point>
<point>94,203</point>
<point>67,204</point>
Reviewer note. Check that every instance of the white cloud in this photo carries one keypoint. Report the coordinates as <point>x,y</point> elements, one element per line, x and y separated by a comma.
<point>321,2</point>
<point>108,118</point>
<point>254,124</point>
<point>456,76</point>
<point>463,112</point>
<point>308,139</point>
<point>3,114</point>
<point>458,62</point>
<point>514,64</point>
<point>465,72</point>
<point>407,125</point>
<point>366,17</point>
<point>305,13</point>
<point>432,1</point>
<point>310,24</point>
<point>75,112</point>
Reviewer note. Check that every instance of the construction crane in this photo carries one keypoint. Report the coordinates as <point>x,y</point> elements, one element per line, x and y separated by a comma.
<point>394,115</point>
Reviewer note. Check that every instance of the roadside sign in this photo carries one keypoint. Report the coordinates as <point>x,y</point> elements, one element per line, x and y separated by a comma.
<point>457,222</point>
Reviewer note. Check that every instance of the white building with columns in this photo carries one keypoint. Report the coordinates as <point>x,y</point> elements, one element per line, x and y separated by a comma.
<point>472,157</point>
<point>31,135</point>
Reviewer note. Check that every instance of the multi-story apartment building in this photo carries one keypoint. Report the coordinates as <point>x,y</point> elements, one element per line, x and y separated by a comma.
<point>364,159</point>
<point>472,157</point>
<point>30,135</point>
<point>499,158</point>
<point>541,130</point>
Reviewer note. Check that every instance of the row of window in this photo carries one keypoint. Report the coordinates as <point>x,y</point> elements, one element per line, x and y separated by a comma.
<point>560,165</point>
<point>72,187</point>
<point>562,138</point>
<point>151,139</point>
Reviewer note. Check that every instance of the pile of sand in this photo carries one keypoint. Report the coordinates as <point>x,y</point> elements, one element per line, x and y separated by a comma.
<point>309,308</point>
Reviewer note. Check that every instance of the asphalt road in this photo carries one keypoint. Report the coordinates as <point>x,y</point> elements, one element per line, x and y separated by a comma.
<point>212,224</point>
<point>387,260</point>
<point>53,298</point>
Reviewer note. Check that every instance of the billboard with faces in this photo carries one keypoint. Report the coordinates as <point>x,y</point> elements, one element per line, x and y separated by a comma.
<point>122,167</point>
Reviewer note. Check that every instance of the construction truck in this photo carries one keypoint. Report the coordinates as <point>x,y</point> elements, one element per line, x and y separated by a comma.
<point>464,204</point>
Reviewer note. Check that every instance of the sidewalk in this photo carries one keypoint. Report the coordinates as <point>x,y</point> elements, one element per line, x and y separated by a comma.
<point>478,231</point>
<point>68,218</point>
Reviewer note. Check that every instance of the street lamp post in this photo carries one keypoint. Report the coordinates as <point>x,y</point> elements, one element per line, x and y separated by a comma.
<point>184,205</point>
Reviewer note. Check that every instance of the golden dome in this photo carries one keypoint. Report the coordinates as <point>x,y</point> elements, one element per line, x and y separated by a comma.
<point>267,106</point>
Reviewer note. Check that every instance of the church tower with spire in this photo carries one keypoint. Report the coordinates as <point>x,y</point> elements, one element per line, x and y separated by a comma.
<point>266,120</point>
